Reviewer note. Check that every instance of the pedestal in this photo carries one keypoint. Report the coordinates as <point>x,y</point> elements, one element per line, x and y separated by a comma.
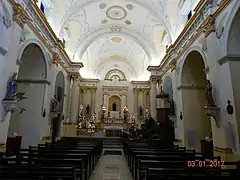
<point>214,113</point>
<point>10,105</point>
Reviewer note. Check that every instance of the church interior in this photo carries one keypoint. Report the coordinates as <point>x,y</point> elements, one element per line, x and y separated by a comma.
<point>119,89</point>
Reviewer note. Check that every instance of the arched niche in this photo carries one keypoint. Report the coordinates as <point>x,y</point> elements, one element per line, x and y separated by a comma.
<point>167,88</point>
<point>31,80</point>
<point>59,98</point>
<point>233,48</point>
<point>115,74</point>
<point>60,90</point>
<point>114,99</point>
<point>193,78</point>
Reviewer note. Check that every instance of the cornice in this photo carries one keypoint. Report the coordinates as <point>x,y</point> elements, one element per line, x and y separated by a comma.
<point>40,26</point>
<point>228,58</point>
<point>198,24</point>
<point>190,86</point>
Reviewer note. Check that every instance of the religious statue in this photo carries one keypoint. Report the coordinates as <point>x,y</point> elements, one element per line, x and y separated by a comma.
<point>88,109</point>
<point>141,111</point>
<point>94,117</point>
<point>80,109</point>
<point>133,118</point>
<point>147,113</point>
<point>208,94</point>
<point>11,88</point>
<point>125,113</point>
<point>114,106</point>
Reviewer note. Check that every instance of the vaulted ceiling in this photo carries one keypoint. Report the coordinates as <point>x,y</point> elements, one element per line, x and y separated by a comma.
<point>107,34</point>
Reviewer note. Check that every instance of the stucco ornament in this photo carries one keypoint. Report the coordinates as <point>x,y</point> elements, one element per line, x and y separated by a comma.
<point>203,43</point>
<point>220,26</point>
<point>24,34</point>
<point>6,18</point>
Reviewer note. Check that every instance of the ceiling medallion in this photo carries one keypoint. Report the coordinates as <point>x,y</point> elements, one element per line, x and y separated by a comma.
<point>102,5</point>
<point>116,13</point>
<point>116,28</point>
<point>129,6</point>
<point>116,39</point>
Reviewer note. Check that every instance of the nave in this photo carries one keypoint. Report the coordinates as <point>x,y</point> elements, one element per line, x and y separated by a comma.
<point>88,158</point>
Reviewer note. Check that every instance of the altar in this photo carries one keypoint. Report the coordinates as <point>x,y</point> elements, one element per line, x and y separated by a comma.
<point>114,114</point>
<point>113,131</point>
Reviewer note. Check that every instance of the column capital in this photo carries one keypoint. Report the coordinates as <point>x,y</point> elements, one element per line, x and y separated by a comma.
<point>209,25</point>
<point>155,79</point>
<point>56,59</point>
<point>173,64</point>
<point>73,76</point>
<point>20,15</point>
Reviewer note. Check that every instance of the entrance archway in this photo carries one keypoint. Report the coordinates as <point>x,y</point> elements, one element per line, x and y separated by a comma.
<point>32,81</point>
<point>233,49</point>
<point>196,123</point>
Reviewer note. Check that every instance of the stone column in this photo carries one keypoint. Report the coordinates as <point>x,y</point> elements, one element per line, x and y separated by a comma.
<point>148,99</point>
<point>74,103</point>
<point>93,98</point>
<point>105,99</point>
<point>84,99</point>
<point>153,100</point>
<point>135,101</point>
<point>140,98</point>
<point>144,101</point>
<point>71,79</point>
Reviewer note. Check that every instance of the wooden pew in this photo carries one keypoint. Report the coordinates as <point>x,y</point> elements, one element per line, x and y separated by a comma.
<point>145,163</point>
<point>82,156</point>
<point>36,172</point>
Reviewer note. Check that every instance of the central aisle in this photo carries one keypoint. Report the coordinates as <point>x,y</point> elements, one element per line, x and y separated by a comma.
<point>111,167</point>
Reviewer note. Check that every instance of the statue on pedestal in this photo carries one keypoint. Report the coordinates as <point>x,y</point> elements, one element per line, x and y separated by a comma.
<point>208,94</point>
<point>11,88</point>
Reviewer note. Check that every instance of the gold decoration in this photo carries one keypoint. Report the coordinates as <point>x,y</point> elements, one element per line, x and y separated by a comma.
<point>56,59</point>
<point>173,65</point>
<point>209,25</point>
<point>20,15</point>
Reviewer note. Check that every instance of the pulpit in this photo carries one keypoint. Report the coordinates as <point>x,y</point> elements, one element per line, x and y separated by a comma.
<point>207,148</point>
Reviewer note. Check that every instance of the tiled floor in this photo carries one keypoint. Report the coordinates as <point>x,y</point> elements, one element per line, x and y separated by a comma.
<point>111,167</point>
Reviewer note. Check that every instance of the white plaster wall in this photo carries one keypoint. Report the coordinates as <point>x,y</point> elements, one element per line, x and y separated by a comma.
<point>8,65</point>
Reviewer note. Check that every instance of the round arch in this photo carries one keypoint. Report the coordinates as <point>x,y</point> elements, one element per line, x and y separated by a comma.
<point>228,25</point>
<point>92,36</point>
<point>102,67</point>
<point>115,72</point>
<point>193,78</point>
<point>197,49</point>
<point>28,120</point>
<point>42,48</point>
